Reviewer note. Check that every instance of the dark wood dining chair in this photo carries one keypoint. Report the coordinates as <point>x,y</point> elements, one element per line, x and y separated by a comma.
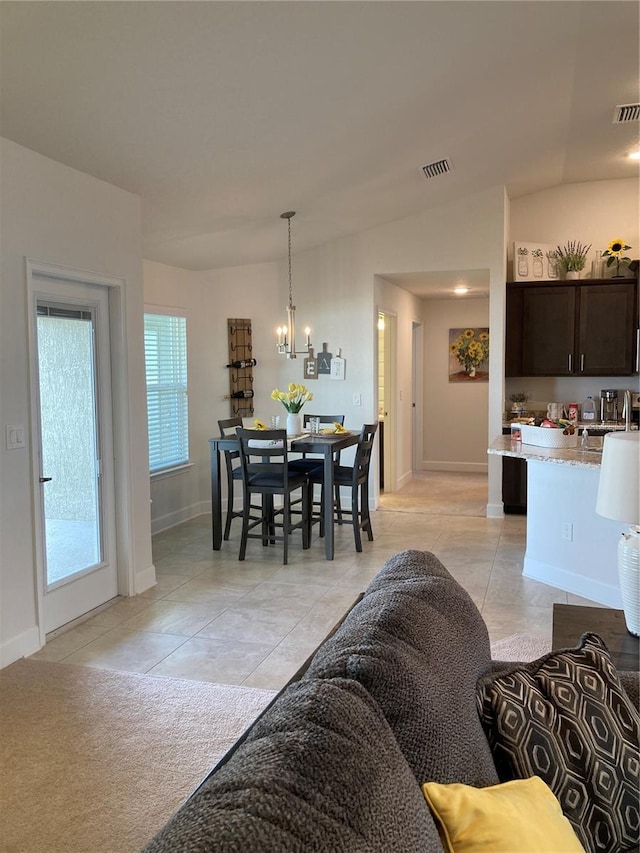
<point>312,463</point>
<point>227,427</point>
<point>265,473</point>
<point>309,461</point>
<point>356,478</point>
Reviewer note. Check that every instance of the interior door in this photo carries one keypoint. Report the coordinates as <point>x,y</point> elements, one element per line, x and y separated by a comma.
<point>76,520</point>
<point>417,380</point>
<point>386,398</point>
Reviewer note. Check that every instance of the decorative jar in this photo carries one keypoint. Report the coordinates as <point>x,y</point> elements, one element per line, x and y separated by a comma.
<point>294,423</point>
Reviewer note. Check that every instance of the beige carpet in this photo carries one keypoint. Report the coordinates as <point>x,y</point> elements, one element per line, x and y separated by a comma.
<point>520,647</point>
<point>94,761</point>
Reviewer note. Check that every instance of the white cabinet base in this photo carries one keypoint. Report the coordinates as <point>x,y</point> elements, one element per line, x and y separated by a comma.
<point>568,546</point>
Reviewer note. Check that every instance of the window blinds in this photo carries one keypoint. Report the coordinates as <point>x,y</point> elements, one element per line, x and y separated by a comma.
<point>165,350</point>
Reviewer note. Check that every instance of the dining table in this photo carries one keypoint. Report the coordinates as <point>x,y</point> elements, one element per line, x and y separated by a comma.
<point>325,445</point>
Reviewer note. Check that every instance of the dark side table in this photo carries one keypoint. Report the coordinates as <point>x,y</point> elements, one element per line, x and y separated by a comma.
<point>571,621</point>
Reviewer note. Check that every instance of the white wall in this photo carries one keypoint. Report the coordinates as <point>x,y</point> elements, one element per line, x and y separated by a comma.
<point>338,289</point>
<point>209,299</point>
<point>455,413</point>
<point>335,294</point>
<point>56,215</point>
<point>595,212</point>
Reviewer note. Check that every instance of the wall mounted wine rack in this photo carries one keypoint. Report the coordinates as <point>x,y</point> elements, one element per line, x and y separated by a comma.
<point>241,364</point>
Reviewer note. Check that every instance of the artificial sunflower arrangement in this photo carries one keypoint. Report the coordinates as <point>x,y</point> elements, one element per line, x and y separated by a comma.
<point>294,398</point>
<point>613,254</point>
<point>471,350</point>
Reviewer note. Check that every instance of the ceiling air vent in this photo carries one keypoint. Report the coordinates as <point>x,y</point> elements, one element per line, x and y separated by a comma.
<point>439,167</point>
<point>626,112</point>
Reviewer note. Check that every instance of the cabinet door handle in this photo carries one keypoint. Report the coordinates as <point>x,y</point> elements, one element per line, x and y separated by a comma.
<point>581,362</point>
<point>570,363</point>
<point>637,350</point>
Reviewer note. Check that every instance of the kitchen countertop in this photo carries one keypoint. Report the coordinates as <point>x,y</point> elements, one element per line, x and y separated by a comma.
<point>576,456</point>
<point>609,426</point>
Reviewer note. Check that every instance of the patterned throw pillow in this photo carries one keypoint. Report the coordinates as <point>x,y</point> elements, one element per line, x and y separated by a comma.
<point>567,719</point>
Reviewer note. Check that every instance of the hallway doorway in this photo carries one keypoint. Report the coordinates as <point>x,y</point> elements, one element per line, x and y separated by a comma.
<point>386,355</point>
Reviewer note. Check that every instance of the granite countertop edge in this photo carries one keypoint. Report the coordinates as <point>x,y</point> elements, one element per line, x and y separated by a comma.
<point>574,456</point>
<point>599,425</point>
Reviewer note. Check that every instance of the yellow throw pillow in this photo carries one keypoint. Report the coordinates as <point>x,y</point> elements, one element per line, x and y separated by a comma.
<point>521,815</point>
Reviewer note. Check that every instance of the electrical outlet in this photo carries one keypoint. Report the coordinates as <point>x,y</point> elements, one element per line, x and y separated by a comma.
<point>567,531</point>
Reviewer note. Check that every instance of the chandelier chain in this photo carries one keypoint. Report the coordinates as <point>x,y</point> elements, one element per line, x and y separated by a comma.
<point>290,287</point>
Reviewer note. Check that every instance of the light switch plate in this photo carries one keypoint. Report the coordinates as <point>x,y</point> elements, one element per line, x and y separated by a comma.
<point>14,436</point>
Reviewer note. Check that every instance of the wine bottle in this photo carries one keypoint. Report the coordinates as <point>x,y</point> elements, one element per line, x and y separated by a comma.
<point>238,395</point>
<point>249,362</point>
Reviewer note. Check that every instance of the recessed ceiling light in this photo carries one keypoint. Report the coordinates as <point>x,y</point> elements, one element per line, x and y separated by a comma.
<point>635,155</point>
<point>461,289</point>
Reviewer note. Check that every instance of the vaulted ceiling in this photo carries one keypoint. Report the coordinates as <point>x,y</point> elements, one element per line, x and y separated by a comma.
<point>222,115</point>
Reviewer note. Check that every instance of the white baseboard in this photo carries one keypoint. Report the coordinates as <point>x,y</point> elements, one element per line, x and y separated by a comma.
<point>145,579</point>
<point>406,478</point>
<point>495,510</point>
<point>457,467</point>
<point>27,643</point>
<point>591,589</point>
<point>171,519</point>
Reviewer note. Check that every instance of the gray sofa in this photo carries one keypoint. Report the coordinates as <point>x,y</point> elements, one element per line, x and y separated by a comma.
<point>336,762</point>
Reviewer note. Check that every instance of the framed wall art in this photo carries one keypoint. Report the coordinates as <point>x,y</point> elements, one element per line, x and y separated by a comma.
<point>535,262</point>
<point>469,354</point>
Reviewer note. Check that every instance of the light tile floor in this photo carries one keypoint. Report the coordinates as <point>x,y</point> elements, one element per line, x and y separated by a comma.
<point>212,618</point>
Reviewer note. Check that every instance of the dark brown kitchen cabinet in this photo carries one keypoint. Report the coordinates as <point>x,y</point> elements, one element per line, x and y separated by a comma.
<point>514,483</point>
<point>607,329</point>
<point>566,329</point>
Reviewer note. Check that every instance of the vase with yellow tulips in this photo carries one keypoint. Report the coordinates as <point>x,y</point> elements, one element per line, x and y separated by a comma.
<point>293,399</point>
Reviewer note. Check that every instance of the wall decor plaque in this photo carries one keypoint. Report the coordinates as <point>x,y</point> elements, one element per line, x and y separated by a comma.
<point>535,262</point>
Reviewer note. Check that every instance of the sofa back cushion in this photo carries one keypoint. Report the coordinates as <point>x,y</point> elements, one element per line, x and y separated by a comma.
<point>418,643</point>
<point>319,771</point>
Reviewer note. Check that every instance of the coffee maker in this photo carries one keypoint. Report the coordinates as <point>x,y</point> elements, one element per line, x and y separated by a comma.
<point>609,405</point>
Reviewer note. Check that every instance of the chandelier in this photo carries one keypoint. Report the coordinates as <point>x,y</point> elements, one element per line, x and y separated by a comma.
<point>287,333</point>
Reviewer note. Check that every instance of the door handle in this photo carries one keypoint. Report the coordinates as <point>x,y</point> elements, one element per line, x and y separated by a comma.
<point>46,479</point>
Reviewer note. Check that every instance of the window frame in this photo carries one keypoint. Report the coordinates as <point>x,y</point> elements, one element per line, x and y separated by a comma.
<point>174,466</point>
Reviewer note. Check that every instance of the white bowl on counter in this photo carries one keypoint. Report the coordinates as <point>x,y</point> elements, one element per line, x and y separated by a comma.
<point>548,437</point>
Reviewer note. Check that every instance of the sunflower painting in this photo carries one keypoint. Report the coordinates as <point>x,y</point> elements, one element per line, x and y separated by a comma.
<point>469,355</point>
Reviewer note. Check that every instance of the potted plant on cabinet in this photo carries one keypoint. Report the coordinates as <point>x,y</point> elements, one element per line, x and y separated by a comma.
<point>572,257</point>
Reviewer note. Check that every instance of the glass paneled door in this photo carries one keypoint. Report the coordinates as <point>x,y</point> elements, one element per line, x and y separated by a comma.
<point>75,477</point>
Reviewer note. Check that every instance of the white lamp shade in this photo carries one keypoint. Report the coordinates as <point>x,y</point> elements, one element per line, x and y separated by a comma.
<point>619,486</point>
